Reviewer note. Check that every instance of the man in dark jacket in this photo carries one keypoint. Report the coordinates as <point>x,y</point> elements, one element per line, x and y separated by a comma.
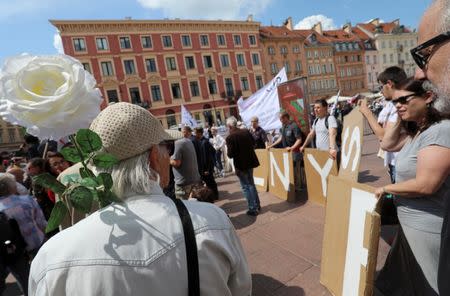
<point>205,160</point>
<point>240,145</point>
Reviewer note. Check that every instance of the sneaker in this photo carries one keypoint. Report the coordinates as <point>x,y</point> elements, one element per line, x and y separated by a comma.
<point>252,213</point>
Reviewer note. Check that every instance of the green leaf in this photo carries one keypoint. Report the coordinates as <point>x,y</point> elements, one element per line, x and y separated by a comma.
<point>48,181</point>
<point>104,160</point>
<point>86,173</point>
<point>57,216</point>
<point>107,197</point>
<point>88,140</point>
<point>71,154</point>
<point>81,198</point>
<point>106,180</point>
<point>89,182</point>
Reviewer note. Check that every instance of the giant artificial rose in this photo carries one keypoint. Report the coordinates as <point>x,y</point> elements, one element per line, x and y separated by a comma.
<point>52,96</point>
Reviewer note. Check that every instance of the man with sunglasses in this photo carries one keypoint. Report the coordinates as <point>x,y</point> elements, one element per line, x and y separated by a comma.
<point>432,56</point>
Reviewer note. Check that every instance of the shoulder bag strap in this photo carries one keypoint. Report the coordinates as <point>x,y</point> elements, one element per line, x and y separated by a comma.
<point>191,249</point>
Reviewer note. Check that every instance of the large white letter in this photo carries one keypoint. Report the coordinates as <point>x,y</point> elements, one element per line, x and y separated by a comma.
<point>283,178</point>
<point>323,172</point>
<point>355,140</point>
<point>360,203</point>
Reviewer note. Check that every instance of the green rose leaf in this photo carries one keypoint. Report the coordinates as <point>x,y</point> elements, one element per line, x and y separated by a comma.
<point>81,198</point>
<point>57,216</point>
<point>88,140</point>
<point>107,197</point>
<point>104,160</point>
<point>89,182</point>
<point>48,181</point>
<point>86,173</point>
<point>106,180</point>
<point>71,154</point>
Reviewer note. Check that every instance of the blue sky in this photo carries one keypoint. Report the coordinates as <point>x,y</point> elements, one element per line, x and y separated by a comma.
<point>25,24</point>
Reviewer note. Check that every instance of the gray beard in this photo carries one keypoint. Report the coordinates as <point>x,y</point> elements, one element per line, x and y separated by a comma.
<point>442,92</point>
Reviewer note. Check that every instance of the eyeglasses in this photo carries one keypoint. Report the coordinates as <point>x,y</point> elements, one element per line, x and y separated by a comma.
<point>403,100</point>
<point>423,52</point>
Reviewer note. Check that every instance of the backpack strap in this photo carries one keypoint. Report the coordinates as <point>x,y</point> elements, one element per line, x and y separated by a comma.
<point>191,249</point>
<point>326,122</point>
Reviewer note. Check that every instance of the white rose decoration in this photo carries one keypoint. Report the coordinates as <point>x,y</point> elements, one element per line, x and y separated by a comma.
<point>52,96</point>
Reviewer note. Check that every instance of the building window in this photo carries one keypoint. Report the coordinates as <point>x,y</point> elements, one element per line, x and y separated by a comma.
<point>204,40</point>
<point>156,93</point>
<point>374,59</point>
<point>212,87</point>
<point>296,49</point>
<point>79,44</point>
<point>255,59</point>
<point>384,58</point>
<point>298,66</point>
<point>259,81</point>
<point>170,116</point>
<point>252,39</point>
<point>87,67</point>
<point>12,135</point>
<point>273,68</point>
<point>244,83</point>
<point>331,68</point>
<point>207,60</point>
<point>324,69</point>
<point>224,61</point>
<point>125,42</point>
<point>283,50</point>
<point>190,64</point>
<point>391,58</point>
<point>167,41</point>
<point>112,96</point>
<point>195,90</point>
<point>271,50</point>
<point>171,64</point>
<point>186,40</point>
<point>237,39</point>
<point>221,40</point>
<point>107,68</point>
<point>129,67</point>
<point>150,65</point>
<point>229,87</point>
<point>240,59</point>
<point>135,95</point>
<point>176,90</point>
<point>146,42</point>
<point>287,67</point>
<point>102,43</point>
<point>367,60</point>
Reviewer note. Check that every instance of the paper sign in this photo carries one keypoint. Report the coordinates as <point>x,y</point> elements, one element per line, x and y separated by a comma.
<point>318,166</point>
<point>281,174</point>
<point>261,173</point>
<point>350,242</point>
<point>351,147</point>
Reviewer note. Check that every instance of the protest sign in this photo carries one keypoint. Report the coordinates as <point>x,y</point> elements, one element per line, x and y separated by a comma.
<point>352,138</point>
<point>350,242</point>
<point>281,174</point>
<point>318,166</point>
<point>186,118</point>
<point>261,173</point>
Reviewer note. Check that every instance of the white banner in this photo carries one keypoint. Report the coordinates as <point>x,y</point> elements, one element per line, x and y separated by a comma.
<point>264,104</point>
<point>186,118</point>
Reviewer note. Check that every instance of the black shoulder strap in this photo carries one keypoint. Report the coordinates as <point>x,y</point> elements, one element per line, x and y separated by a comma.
<point>191,249</point>
<point>326,121</point>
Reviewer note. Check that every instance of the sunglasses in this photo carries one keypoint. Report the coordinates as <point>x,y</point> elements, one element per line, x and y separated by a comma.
<point>403,100</point>
<point>423,52</point>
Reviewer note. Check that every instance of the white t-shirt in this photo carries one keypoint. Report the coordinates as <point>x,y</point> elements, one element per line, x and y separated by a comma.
<point>388,114</point>
<point>322,134</point>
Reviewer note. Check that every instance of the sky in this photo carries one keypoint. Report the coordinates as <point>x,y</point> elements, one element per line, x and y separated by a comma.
<point>25,24</point>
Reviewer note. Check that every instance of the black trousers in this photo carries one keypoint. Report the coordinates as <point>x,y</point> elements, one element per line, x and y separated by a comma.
<point>211,183</point>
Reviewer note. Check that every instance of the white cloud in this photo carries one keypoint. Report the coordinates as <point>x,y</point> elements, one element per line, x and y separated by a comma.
<point>57,43</point>
<point>310,21</point>
<point>212,9</point>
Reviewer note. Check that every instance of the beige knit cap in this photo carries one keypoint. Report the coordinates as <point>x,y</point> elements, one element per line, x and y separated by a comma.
<point>128,130</point>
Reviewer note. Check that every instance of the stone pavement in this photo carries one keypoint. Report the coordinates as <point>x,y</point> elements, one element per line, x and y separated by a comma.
<point>284,243</point>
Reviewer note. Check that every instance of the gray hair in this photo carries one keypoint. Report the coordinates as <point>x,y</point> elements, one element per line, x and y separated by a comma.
<point>134,176</point>
<point>445,18</point>
<point>7,184</point>
<point>232,121</point>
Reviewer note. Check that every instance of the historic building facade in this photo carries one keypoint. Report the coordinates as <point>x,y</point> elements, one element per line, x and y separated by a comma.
<point>204,65</point>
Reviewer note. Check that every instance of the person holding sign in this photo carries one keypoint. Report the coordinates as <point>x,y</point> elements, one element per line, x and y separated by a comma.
<point>422,188</point>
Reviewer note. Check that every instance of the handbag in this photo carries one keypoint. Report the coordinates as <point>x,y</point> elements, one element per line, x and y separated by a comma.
<point>191,249</point>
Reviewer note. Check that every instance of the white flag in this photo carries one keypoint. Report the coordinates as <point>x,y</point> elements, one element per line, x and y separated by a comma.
<point>186,118</point>
<point>333,108</point>
<point>264,104</point>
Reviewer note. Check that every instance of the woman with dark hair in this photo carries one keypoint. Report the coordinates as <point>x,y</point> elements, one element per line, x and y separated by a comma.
<point>55,165</point>
<point>422,138</point>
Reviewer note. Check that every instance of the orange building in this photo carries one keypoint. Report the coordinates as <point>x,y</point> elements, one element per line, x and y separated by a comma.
<point>162,64</point>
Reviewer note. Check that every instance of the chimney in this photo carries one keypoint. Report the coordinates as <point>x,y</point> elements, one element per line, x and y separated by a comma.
<point>318,28</point>
<point>250,18</point>
<point>375,22</point>
<point>347,28</point>
<point>288,24</point>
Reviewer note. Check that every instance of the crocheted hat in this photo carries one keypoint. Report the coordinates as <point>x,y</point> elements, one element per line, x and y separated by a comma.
<point>128,130</point>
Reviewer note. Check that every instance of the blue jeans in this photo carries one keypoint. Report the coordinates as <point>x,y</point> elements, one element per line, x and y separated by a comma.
<point>248,188</point>
<point>218,160</point>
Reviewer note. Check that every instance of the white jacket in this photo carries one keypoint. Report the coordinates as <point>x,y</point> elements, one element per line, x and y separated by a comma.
<point>137,248</point>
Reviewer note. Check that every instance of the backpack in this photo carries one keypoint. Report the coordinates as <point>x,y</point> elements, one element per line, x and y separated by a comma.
<point>339,129</point>
<point>12,244</point>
